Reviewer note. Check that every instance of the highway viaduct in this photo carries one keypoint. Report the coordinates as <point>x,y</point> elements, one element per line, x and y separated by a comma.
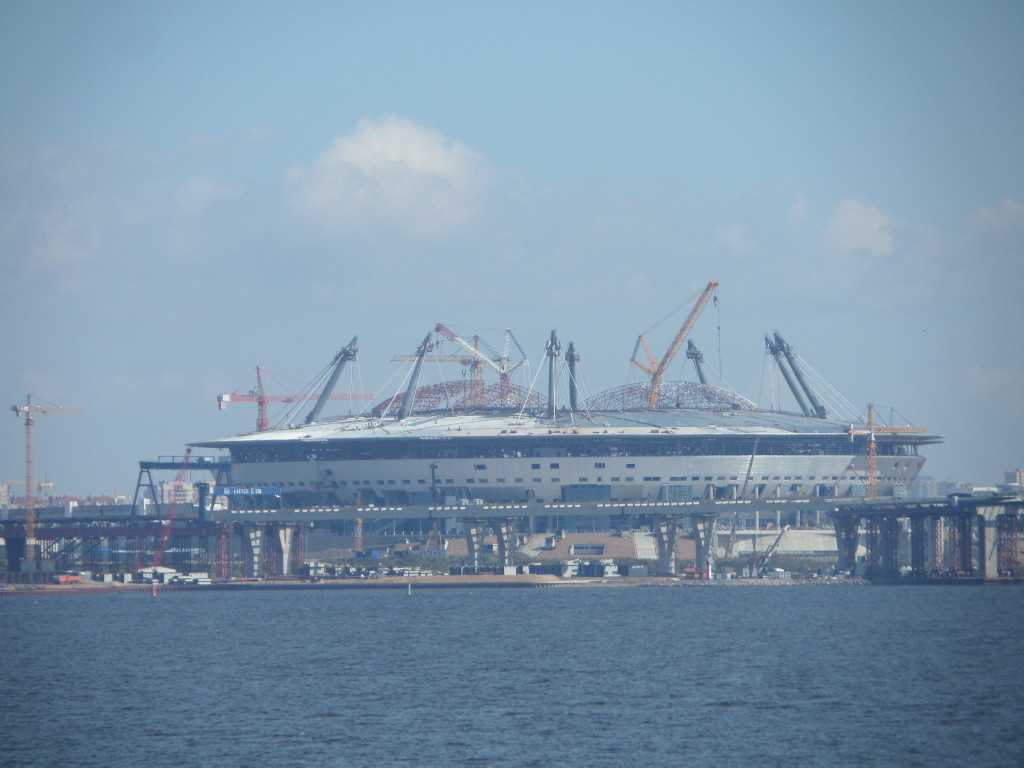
<point>966,538</point>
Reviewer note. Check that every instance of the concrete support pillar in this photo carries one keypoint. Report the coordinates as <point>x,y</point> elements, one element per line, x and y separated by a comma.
<point>253,540</point>
<point>961,539</point>
<point>1009,549</point>
<point>918,561</point>
<point>705,536</point>
<point>223,550</point>
<point>890,547</point>
<point>872,543</point>
<point>665,535</point>
<point>475,533</point>
<point>938,533</point>
<point>505,530</point>
<point>847,531</point>
<point>285,536</point>
<point>988,541</point>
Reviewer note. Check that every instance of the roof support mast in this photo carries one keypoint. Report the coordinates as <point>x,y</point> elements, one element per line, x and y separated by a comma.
<point>776,350</point>
<point>818,408</point>
<point>414,380</point>
<point>554,349</point>
<point>698,360</point>
<point>572,357</point>
<point>343,356</point>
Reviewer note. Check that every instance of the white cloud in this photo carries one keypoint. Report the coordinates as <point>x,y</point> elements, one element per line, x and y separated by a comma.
<point>1009,212</point>
<point>201,192</point>
<point>735,238</point>
<point>392,172</point>
<point>860,227</point>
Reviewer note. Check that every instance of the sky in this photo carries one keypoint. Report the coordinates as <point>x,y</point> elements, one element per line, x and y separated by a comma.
<point>190,190</point>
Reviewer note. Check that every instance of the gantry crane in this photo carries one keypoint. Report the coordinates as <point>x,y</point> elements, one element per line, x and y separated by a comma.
<point>30,500</point>
<point>656,369</point>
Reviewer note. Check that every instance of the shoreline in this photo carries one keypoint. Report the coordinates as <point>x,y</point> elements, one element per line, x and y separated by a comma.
<point>525,581</point>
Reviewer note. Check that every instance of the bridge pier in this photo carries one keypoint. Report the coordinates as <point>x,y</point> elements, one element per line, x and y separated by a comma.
<point>961,539</point>
<point>253,543</point>
<point>285,538</point>
<point>665,530</point>
<point>705,533</point>
<point>505,530</point>
<point>476,531</point>
<point>1009,551</point>
<point>847,532</point>
<point>997,542</point>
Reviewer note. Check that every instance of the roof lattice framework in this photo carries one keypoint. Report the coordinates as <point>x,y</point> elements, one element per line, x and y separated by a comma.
<point>671,394</point>
<point>466,395</point>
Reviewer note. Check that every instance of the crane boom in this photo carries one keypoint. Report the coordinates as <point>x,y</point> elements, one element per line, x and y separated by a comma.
<point>262,398</point>
<point>659,372</point>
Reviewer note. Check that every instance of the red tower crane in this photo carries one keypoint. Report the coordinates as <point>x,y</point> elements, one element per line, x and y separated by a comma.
<point>172,510</point>
<point>259,396</point>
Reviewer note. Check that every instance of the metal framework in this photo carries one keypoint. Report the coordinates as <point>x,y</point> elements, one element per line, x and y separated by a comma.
<point>465,396</point>
<point>671,394</point>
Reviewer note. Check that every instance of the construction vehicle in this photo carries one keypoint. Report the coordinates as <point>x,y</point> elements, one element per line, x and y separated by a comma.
<point>762,561</point>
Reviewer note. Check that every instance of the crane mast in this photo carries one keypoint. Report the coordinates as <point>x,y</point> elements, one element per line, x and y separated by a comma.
<point>172,510</point>
<point>871,458</point>
<point>30,500</point>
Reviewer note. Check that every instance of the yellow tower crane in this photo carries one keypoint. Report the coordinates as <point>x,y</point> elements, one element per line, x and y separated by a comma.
<point>30,500</point>
<point>872,457</point>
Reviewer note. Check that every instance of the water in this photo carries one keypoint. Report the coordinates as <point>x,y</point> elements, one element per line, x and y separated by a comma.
<point>733,676</point>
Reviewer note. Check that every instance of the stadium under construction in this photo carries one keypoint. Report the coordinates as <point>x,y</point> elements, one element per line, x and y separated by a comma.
<point>496,463</point>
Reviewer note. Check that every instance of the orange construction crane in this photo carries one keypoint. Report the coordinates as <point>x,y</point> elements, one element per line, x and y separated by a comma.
<point>261,398</point>
<point>872,458</point>
<point>656,369</point>
<point>30,500</point>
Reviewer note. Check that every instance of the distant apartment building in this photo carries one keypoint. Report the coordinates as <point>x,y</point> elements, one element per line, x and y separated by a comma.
<point>177,492</point>
<point>1014,480</point>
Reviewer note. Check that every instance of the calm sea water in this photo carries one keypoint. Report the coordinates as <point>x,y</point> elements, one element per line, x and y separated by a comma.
<point>694,676</point>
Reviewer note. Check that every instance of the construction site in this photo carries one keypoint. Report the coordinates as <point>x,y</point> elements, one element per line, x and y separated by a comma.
<point>657,476</point>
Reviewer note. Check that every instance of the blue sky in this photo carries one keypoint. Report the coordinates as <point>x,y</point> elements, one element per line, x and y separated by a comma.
<point>189,190</point>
